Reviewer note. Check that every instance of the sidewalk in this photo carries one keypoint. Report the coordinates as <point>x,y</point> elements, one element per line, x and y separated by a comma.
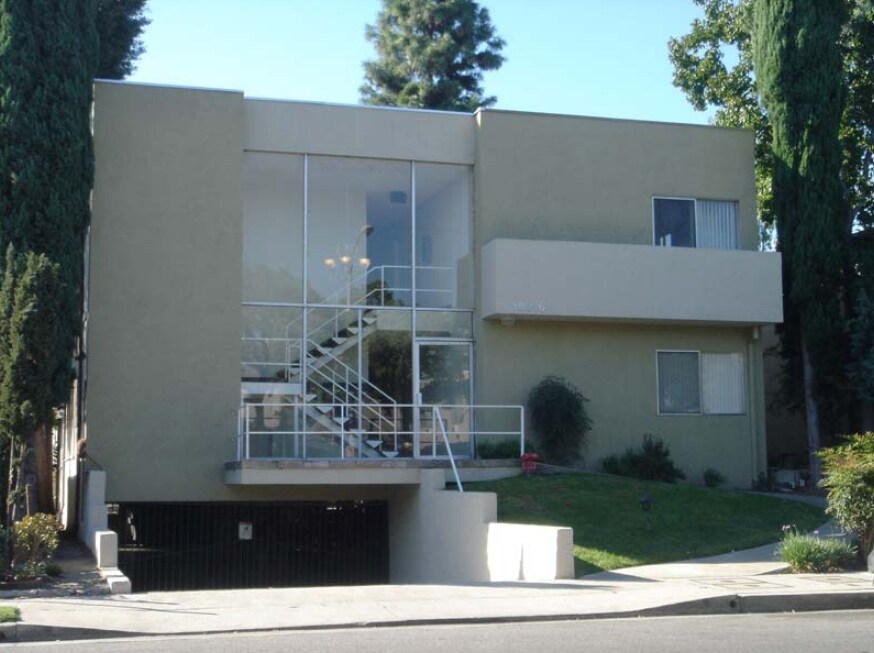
<point>745,581</point>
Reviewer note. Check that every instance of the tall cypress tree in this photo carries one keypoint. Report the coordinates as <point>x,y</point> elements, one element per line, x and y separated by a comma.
<point>28,337</point>
<point>48,56</point>
<point>120,24</point>
<point>798,66</point>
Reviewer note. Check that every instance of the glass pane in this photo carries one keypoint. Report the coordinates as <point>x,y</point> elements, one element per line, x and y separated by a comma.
<point>679,390</point>
<point>674,222</point>
<point>444,267</point>
<point>271,341</point>
<point>272,227</point>
<point>271,430</point>
<point>444,386</point>
<point>444,324</point>
<point>359,231</point>
<point>444,374</point>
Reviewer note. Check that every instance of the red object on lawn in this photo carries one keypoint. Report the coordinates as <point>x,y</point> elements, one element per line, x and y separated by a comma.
<point>529,462</point>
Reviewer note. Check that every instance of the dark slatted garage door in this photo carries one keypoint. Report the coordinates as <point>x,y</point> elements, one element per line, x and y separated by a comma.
<point>187,546</point>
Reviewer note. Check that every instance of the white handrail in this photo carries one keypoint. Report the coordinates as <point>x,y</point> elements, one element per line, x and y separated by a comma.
<point>439,420</point>
<point>268,424</point>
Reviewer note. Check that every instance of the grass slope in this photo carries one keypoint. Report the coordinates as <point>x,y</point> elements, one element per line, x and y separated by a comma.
<point>610,529</point>
<point>8,613</point>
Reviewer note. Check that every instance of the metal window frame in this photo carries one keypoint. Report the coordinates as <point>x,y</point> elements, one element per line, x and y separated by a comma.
<point>675,197</point>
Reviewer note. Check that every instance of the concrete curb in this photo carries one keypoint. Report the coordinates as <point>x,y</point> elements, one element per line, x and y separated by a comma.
<point>719,605</point>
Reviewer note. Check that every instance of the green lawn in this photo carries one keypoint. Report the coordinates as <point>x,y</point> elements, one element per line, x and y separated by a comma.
<point>8,613</point>
<point>610,529</point>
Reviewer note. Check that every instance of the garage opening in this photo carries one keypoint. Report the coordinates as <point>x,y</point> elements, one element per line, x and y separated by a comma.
<point>191,546</point>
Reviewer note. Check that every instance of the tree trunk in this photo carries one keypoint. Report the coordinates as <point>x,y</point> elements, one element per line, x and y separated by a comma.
<point>27,479</point>
<point>11,486</point>
<point>814,441</point>
<point>867,416</point>
<point>42,449</point>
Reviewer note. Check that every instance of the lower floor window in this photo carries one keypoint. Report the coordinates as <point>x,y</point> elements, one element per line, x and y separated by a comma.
<point>692,382</point>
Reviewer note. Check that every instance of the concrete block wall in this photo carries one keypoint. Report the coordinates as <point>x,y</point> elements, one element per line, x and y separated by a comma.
<point>528,552</point>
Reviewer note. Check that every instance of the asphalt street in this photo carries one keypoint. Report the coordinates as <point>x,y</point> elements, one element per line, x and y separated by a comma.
<point>835,632</point>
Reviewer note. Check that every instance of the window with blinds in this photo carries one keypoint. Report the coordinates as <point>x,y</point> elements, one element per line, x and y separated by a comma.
<point>685,222</point>
<point>691,383</point>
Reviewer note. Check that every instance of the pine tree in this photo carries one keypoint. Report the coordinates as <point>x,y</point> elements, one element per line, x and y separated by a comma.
<point>798,66</point>
<point>48,55</point>
<point>431,55</point>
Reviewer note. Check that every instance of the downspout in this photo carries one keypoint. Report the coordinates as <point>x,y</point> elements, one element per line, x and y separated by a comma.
<point>752,403</point>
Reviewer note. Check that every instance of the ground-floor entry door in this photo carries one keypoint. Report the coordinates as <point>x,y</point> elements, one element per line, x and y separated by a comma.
<point>189,546</point>
<point>444,380</point>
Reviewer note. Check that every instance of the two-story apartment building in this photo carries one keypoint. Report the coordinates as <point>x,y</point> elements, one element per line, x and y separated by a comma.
<point>295,310</point>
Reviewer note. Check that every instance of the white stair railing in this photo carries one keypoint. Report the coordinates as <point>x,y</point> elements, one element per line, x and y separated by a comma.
<point>438,420</point>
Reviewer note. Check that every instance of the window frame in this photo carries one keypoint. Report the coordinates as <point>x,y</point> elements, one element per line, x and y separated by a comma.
<point>659,385</point>
<point>694,201</point>
<point>701,412</point>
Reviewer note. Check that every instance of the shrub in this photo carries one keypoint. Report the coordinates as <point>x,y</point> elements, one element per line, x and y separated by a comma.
<point>848,475</point>
<point>712,478</point>
<point>499,448</point>
<point>652,462</point>
<point>558,419</point>
<point>808,554</point>
<point>34,541</point>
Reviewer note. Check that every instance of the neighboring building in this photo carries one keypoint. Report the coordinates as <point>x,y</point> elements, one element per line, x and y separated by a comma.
<point>281,293</point>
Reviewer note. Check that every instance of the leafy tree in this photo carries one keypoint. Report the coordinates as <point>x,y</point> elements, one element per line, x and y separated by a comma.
<point>48,55</point>
<point>798,67</point>
<point>431,54</point>
<point>713,66</point>
<point>120,24</point>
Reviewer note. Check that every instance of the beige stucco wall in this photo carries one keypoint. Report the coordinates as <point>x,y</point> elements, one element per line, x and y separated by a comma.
<point>372,132</point>
<point>547,177</point>
<point>567,178</point>
<point>164,314</point>
<point>438,536</point>
<point>614,365</point>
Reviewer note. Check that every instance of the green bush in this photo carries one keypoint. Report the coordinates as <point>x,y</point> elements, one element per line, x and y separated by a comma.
<point>652,462</point>
<point>712,478</point>
<point>34,541</point>
<point>559,419</point>
<point>498,448</point>
<point>808,554</point>
<point>848,475</point>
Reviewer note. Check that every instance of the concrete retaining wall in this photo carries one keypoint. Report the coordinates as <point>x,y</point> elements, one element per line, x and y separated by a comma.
<point>527,552</point>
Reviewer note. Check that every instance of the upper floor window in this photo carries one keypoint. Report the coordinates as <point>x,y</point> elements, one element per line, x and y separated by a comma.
<point>684,222</point>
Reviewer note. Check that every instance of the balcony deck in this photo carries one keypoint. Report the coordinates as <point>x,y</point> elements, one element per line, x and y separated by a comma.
<point>560,280</point>
<point>383,471</point>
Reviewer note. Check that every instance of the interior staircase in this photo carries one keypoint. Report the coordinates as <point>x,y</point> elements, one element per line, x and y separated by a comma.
<point>331,397</point>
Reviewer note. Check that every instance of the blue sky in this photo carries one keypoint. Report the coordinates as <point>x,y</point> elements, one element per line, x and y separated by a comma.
<point>587,57</point>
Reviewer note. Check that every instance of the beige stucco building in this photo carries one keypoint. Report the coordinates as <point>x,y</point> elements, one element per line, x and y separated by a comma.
<point>300,308</point>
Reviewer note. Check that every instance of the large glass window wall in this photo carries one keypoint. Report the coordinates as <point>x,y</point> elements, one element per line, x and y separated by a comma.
<point>351,267</point>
